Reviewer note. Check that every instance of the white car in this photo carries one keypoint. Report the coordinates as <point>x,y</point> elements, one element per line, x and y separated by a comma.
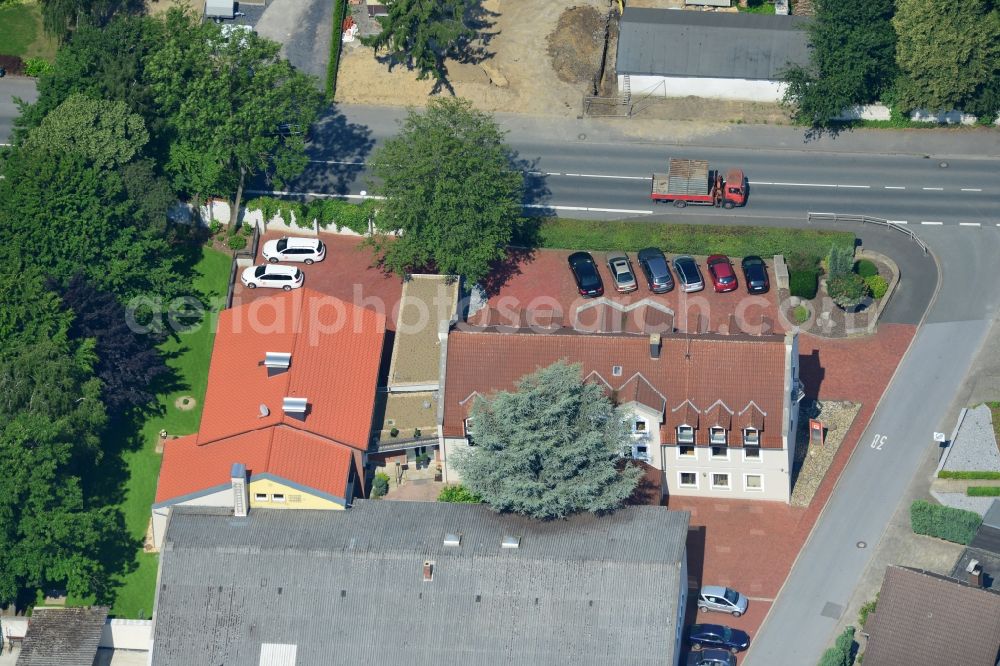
<point>291,248</point>
<point>276,277</point>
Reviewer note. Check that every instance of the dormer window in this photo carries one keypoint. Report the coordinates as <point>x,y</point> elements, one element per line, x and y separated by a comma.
<point>718,436</point>
<point>751,437</point>
<point>639,426</point>
<point>685,434</point>
<point>469,432</point>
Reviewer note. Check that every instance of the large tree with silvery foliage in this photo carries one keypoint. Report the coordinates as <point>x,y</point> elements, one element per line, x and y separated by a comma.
<point>549,449</point>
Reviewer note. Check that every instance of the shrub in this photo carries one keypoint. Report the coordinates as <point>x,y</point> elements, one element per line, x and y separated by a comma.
<point>983,491</point>
<point>802,261</point>
<point>394,432</point>
<point>803,283</point>
<point>12,64</point>
<point>846,289</point>
<point>865,268</point>
<point>237,242</point>
<point>979,476</point>
<point>842,652</point>
<point>800,314</point>
<point>247,230</point>
<point>458,494</point>
<point>380,485</point>
<point>214,227</point>
<point>877,285</point>
<point>839,261</point>
<point>944,522</point>
<point>866,610</point>
<point>339,13</point>
<point>37,66</point>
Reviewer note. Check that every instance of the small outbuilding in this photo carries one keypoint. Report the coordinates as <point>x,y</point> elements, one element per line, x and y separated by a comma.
<point>722,55</point>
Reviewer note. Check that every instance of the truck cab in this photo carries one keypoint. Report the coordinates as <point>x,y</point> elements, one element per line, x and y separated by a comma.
<point>736,188</point>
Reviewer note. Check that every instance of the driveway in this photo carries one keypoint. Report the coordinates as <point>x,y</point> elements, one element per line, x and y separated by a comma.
<point>11,87</point>
<point>303,28</point>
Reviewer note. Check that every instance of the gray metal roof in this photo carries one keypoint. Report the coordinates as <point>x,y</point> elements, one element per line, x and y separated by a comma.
<point>62,636</point>
<point>671,42</point>
<point>344,586</point>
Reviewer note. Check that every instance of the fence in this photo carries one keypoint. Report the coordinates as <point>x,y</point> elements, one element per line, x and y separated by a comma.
<point>865,219</point>
<point>246,253</point>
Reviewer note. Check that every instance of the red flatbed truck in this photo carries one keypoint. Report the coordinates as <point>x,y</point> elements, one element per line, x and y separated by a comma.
<point>692,182</point>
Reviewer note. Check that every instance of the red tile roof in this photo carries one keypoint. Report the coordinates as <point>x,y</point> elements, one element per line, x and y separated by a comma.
<point>336,351</point>
<point>703,369</point>
<point>190,468</point>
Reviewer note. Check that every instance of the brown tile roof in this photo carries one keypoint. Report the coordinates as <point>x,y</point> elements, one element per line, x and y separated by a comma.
<point>736,369</point>
<point>925,619</point>
<point>750,416</point>
<point>718,416</point>
<point>638,389</point>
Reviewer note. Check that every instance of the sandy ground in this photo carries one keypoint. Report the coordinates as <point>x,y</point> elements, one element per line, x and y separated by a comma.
<point>523,79</point>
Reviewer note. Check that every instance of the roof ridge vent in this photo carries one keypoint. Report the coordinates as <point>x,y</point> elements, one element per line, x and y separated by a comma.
<point>511,541</point>
<point>452,540</point>
<point>277,362</point>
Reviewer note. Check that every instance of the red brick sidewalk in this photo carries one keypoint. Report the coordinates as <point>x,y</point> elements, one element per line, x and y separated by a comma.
<point>751,546</point>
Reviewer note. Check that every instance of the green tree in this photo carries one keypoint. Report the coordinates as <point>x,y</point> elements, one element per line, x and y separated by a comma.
<point>103,132</point>
<point>458,494</point>
<point>226,99</point>
<point>51,418</point>
<point>948,51</point>
<point>550,449</point>
<point>852,60</point>
<point>451,188</point>
<point>61,18</point>
<point>422,34</point>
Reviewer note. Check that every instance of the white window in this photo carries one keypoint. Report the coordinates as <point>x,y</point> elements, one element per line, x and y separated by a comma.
<point>639,425</point>
<point>686,451</point>
<point>751,453</point>
<point>718,436</point>
<point>687,479</point>
<point>685,434</point>
<point>720,453</point>
<point>753,483</point>
<point>751,437</point>
<point>278,497</point>
<point>720,481</point>
<point>260,497</point>
<point>616,371</point>
<point>640,452</point>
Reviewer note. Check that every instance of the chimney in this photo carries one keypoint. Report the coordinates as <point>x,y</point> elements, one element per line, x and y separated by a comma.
<point>654,345</point>
<point>241,493</point>
<point>975,571</point>
<point>277,362</point>
<point>428,571</point>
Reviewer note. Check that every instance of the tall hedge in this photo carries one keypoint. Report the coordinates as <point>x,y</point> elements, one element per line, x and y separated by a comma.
<point>842,652</point>
<point>803,283</point>
<point>339,14</point>
<point>944,522</point>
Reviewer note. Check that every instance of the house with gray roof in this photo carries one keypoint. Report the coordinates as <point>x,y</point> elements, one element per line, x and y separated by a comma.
<point>421,583</point>
<point>62,636</point>
<point>677,53</point>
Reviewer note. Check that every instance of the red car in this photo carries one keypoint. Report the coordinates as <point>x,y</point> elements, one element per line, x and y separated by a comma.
<point>723,275</point>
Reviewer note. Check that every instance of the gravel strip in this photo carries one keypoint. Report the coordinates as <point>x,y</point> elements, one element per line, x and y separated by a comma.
<point>962,501</point>
<point>975,445</point>
<point>812,462</point>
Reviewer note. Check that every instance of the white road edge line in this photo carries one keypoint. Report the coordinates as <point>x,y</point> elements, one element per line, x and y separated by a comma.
<point>336,162</point>
<point>896,221</point>
<point>590,210</point>
<point>594,175</point>
<point>971,189</point>
<point>969,224</point>
<point>934,223</point>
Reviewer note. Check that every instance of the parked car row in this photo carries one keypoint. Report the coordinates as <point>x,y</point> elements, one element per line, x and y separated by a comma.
<point>303,250</point>
<point>716,644</point>
<point>659,280</point>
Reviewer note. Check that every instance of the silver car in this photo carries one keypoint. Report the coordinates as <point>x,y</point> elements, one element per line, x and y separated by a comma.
<point>688,273</point>
<point>722,599</point>
<point>621,272</point>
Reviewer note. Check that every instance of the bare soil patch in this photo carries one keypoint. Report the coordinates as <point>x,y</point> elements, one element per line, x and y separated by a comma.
<point>517,77</point>
<point>576,45</point>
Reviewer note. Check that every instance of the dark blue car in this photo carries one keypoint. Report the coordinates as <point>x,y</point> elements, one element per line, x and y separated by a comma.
<point>717,636</point>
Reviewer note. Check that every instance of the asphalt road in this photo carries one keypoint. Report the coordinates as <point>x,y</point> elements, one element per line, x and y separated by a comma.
<point>602,171</point>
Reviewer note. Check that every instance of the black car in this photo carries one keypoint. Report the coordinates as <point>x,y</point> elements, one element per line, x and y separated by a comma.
<point>656,269</point>
<point>711,658</point>
<point>755,275</point>
<point>688,273</point>
<point>717,636</point>
<point>588,280</point>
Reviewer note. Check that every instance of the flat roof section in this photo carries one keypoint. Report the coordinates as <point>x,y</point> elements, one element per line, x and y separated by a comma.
<point>407,412</point>
<point>428,302</point>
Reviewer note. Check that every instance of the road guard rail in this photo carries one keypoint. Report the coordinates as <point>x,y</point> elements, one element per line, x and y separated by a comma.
<point>865,219</point>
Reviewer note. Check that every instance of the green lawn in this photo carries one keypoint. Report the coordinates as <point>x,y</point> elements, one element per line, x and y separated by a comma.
<point>21,33</point>
<point>736,241</point>
<point>758,7</point>
<point>188,354</point>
